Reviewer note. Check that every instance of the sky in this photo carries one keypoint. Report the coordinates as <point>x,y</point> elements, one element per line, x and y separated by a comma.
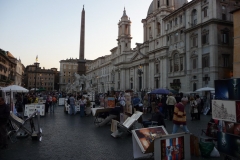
<point>50,29</point>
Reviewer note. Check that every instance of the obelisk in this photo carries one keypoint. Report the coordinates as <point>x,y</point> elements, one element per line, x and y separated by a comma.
<point>82,61</point>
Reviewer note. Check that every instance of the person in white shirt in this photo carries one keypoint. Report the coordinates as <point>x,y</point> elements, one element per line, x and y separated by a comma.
<point>171,101</point>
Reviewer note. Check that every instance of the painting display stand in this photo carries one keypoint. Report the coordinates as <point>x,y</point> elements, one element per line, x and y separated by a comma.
<point>143,140</point>
<point>126,126</point>
<point>226,109</point>
<point>172,146</point>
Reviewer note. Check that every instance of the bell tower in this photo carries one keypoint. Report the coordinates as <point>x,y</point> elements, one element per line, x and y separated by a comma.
<point>124,33</point>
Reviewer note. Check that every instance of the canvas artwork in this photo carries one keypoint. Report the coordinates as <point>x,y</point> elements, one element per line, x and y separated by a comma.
<point>111,102</point>
<point>172,149</point>
<point>236,129</point>
<point>221,89</point>
<point>238,111</point>
<point>224,110</point>
<point>229,144</point>
<point>234,88</point>
<point>145,136</point>
<point>228,127</point>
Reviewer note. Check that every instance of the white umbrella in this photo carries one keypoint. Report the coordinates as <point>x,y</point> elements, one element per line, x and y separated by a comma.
<point>14,88</point>
<point>205,89</point>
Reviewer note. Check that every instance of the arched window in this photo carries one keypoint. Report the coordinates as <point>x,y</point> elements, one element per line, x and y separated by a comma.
<point>194,17</point>
<point>176,62</point>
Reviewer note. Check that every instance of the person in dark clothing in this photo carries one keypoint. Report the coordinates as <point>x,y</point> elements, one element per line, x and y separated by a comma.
<point>4,115</point>
<point>163,101</point>
<point>178,98</point>
<point>157,116</point>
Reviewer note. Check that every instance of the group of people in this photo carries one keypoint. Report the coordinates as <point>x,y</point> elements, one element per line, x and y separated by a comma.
<point>83,102</point>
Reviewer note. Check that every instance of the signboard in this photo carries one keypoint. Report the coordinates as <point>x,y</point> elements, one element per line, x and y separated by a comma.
<point>31,108</point>
<point>61,101</point>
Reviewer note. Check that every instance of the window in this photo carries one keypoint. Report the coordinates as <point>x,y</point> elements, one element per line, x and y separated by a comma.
<point>194,41</point>
<point>181,63</point>
<point>156,83</point>
<point>167,2</point>
<point>158,28</point>
<point>176,21</point>
<point>158,3</point>
<point>176,62</point>
<point>194,17</point>
<point>126,45</point>
<point>157,68</point>
<point>176,37</point>
<point>194,63</point>
<point>205,38</point>
<point>180,19</point>
<point>150,32</point>
<point>170,23</point>
<point>194,86</point>
<point>170,65</point>
<point>224,13</point>
<point>205,61</point>
<point>225,60</point>
<point>225,37</point>
<point>205,12</point>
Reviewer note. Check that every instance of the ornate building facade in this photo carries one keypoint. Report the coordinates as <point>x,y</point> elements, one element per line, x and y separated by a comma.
<point>11,69</point>
<point>186,46</point>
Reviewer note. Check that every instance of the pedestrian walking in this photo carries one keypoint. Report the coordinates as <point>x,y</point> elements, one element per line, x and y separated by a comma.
<point>179,117</point>
<point>163,101</point>
<point>193,108</point>
<point>54,102</point>
<point>72,105</point>
<point>82,103</point>
<point>4,115</point>
<point>199,106</point>
<point>171,101</point>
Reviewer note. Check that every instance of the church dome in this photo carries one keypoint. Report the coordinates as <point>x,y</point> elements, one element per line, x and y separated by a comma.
<point>150,9</point>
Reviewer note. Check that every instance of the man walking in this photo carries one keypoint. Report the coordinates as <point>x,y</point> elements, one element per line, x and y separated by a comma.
<point>171,101</point>
<point>179,117</point>
<point>4,115</point>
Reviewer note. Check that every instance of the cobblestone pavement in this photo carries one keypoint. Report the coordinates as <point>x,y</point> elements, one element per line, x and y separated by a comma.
<point>67,137</point>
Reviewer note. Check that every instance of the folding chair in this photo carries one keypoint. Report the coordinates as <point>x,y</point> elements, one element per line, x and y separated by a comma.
<point>16,124</point>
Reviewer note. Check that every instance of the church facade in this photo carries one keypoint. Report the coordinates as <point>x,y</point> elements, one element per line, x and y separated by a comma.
<point>186,46</point>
